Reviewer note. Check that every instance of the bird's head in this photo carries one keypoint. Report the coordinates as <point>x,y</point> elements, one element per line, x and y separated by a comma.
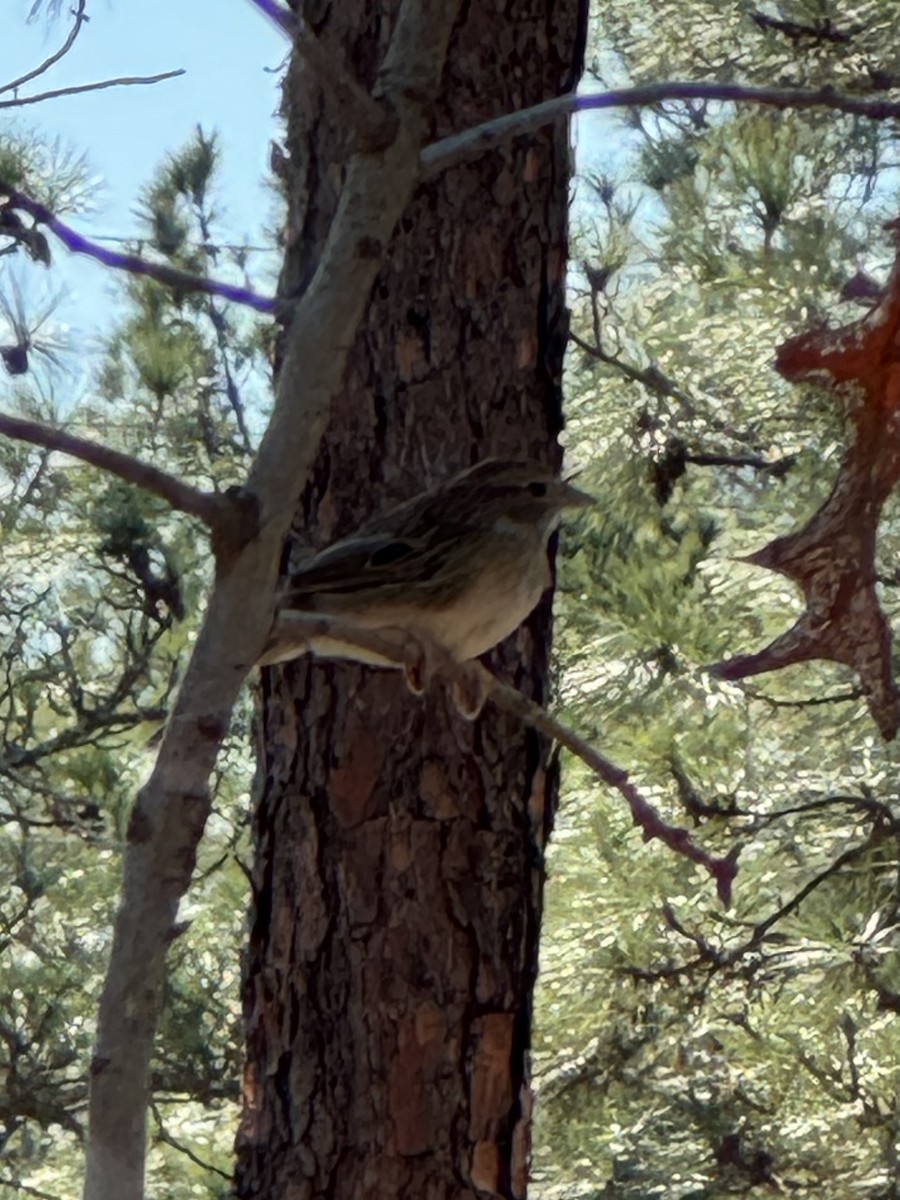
<point>522,493</point>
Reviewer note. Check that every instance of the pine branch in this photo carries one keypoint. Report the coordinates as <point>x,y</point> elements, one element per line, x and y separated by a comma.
<point>301,629</point>
<point>205,505</point>
<point>173,277</point>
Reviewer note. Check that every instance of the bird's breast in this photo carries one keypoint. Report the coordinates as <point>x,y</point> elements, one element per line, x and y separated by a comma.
<point>488,611</point>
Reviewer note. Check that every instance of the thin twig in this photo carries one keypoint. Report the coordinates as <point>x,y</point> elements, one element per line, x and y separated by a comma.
<point>395,646</point>
<point>170,1140</point>
<point>211,247</point>
<point>762,927</point>
<point>183,281</point>
<point>220,327</point>
<point>25,1189</point>
<point>819,31</point>
<point>808,702</point>
<point>55,57</point>
<point>219,324</point>
<point>77,89</point>
<point>662,385</point>
<point>440,155</point>
<point>181,496</point>
<point>651,377</point>
<point>777,467</point>
<point>878,811</point>
<point>720,958</point>
<point>644,815</point>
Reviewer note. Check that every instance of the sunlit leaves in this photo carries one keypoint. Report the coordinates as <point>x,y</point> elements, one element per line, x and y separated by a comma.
<point>101,589</point>
<point>683,1051</point>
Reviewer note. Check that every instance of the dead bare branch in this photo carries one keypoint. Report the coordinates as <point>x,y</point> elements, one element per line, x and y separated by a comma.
<point>64,49</point>
<point>77,89</point>
<point>169,1139</point>
<point>171,809</point>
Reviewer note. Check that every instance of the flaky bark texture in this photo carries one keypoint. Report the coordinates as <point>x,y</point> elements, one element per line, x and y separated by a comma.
<point>399,849</point>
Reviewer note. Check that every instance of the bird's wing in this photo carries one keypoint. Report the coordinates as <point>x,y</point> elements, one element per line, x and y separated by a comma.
<point>355,564</point>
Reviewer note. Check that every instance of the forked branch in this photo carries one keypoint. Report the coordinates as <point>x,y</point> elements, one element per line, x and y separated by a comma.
<point>171,809</point>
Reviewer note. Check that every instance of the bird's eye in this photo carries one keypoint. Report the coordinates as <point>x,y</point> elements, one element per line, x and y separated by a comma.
<point>538,489</point>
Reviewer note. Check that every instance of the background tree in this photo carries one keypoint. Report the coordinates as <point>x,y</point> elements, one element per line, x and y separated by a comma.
<point>687,1051</point>
<point>101,593</point>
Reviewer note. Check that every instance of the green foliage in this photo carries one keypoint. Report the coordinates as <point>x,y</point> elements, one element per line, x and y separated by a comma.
<point>12,162</point>
<point>682,1050</point>
<point>48,169</point>
<point>101,592</point>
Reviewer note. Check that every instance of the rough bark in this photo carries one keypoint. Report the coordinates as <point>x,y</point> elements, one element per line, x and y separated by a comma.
<point>398,875</point>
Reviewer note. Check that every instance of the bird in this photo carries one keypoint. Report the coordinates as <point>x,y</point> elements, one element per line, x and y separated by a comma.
<point>459,566</point>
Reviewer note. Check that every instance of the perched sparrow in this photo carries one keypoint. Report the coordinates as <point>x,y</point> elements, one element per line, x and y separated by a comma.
<point>459,566</point>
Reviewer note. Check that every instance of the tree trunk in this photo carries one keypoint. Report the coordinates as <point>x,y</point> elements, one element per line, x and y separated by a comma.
<point>398,874</point>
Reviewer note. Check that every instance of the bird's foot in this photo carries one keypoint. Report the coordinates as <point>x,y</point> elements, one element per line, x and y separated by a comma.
<point>469,682</point>
<point>419,664</point>
<point>469,689</point>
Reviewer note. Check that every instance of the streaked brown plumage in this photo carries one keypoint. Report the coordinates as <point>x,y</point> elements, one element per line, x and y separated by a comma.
<point>460,565</point>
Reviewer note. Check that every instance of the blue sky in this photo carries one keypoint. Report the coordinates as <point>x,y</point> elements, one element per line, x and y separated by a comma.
<point>230,54</point>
